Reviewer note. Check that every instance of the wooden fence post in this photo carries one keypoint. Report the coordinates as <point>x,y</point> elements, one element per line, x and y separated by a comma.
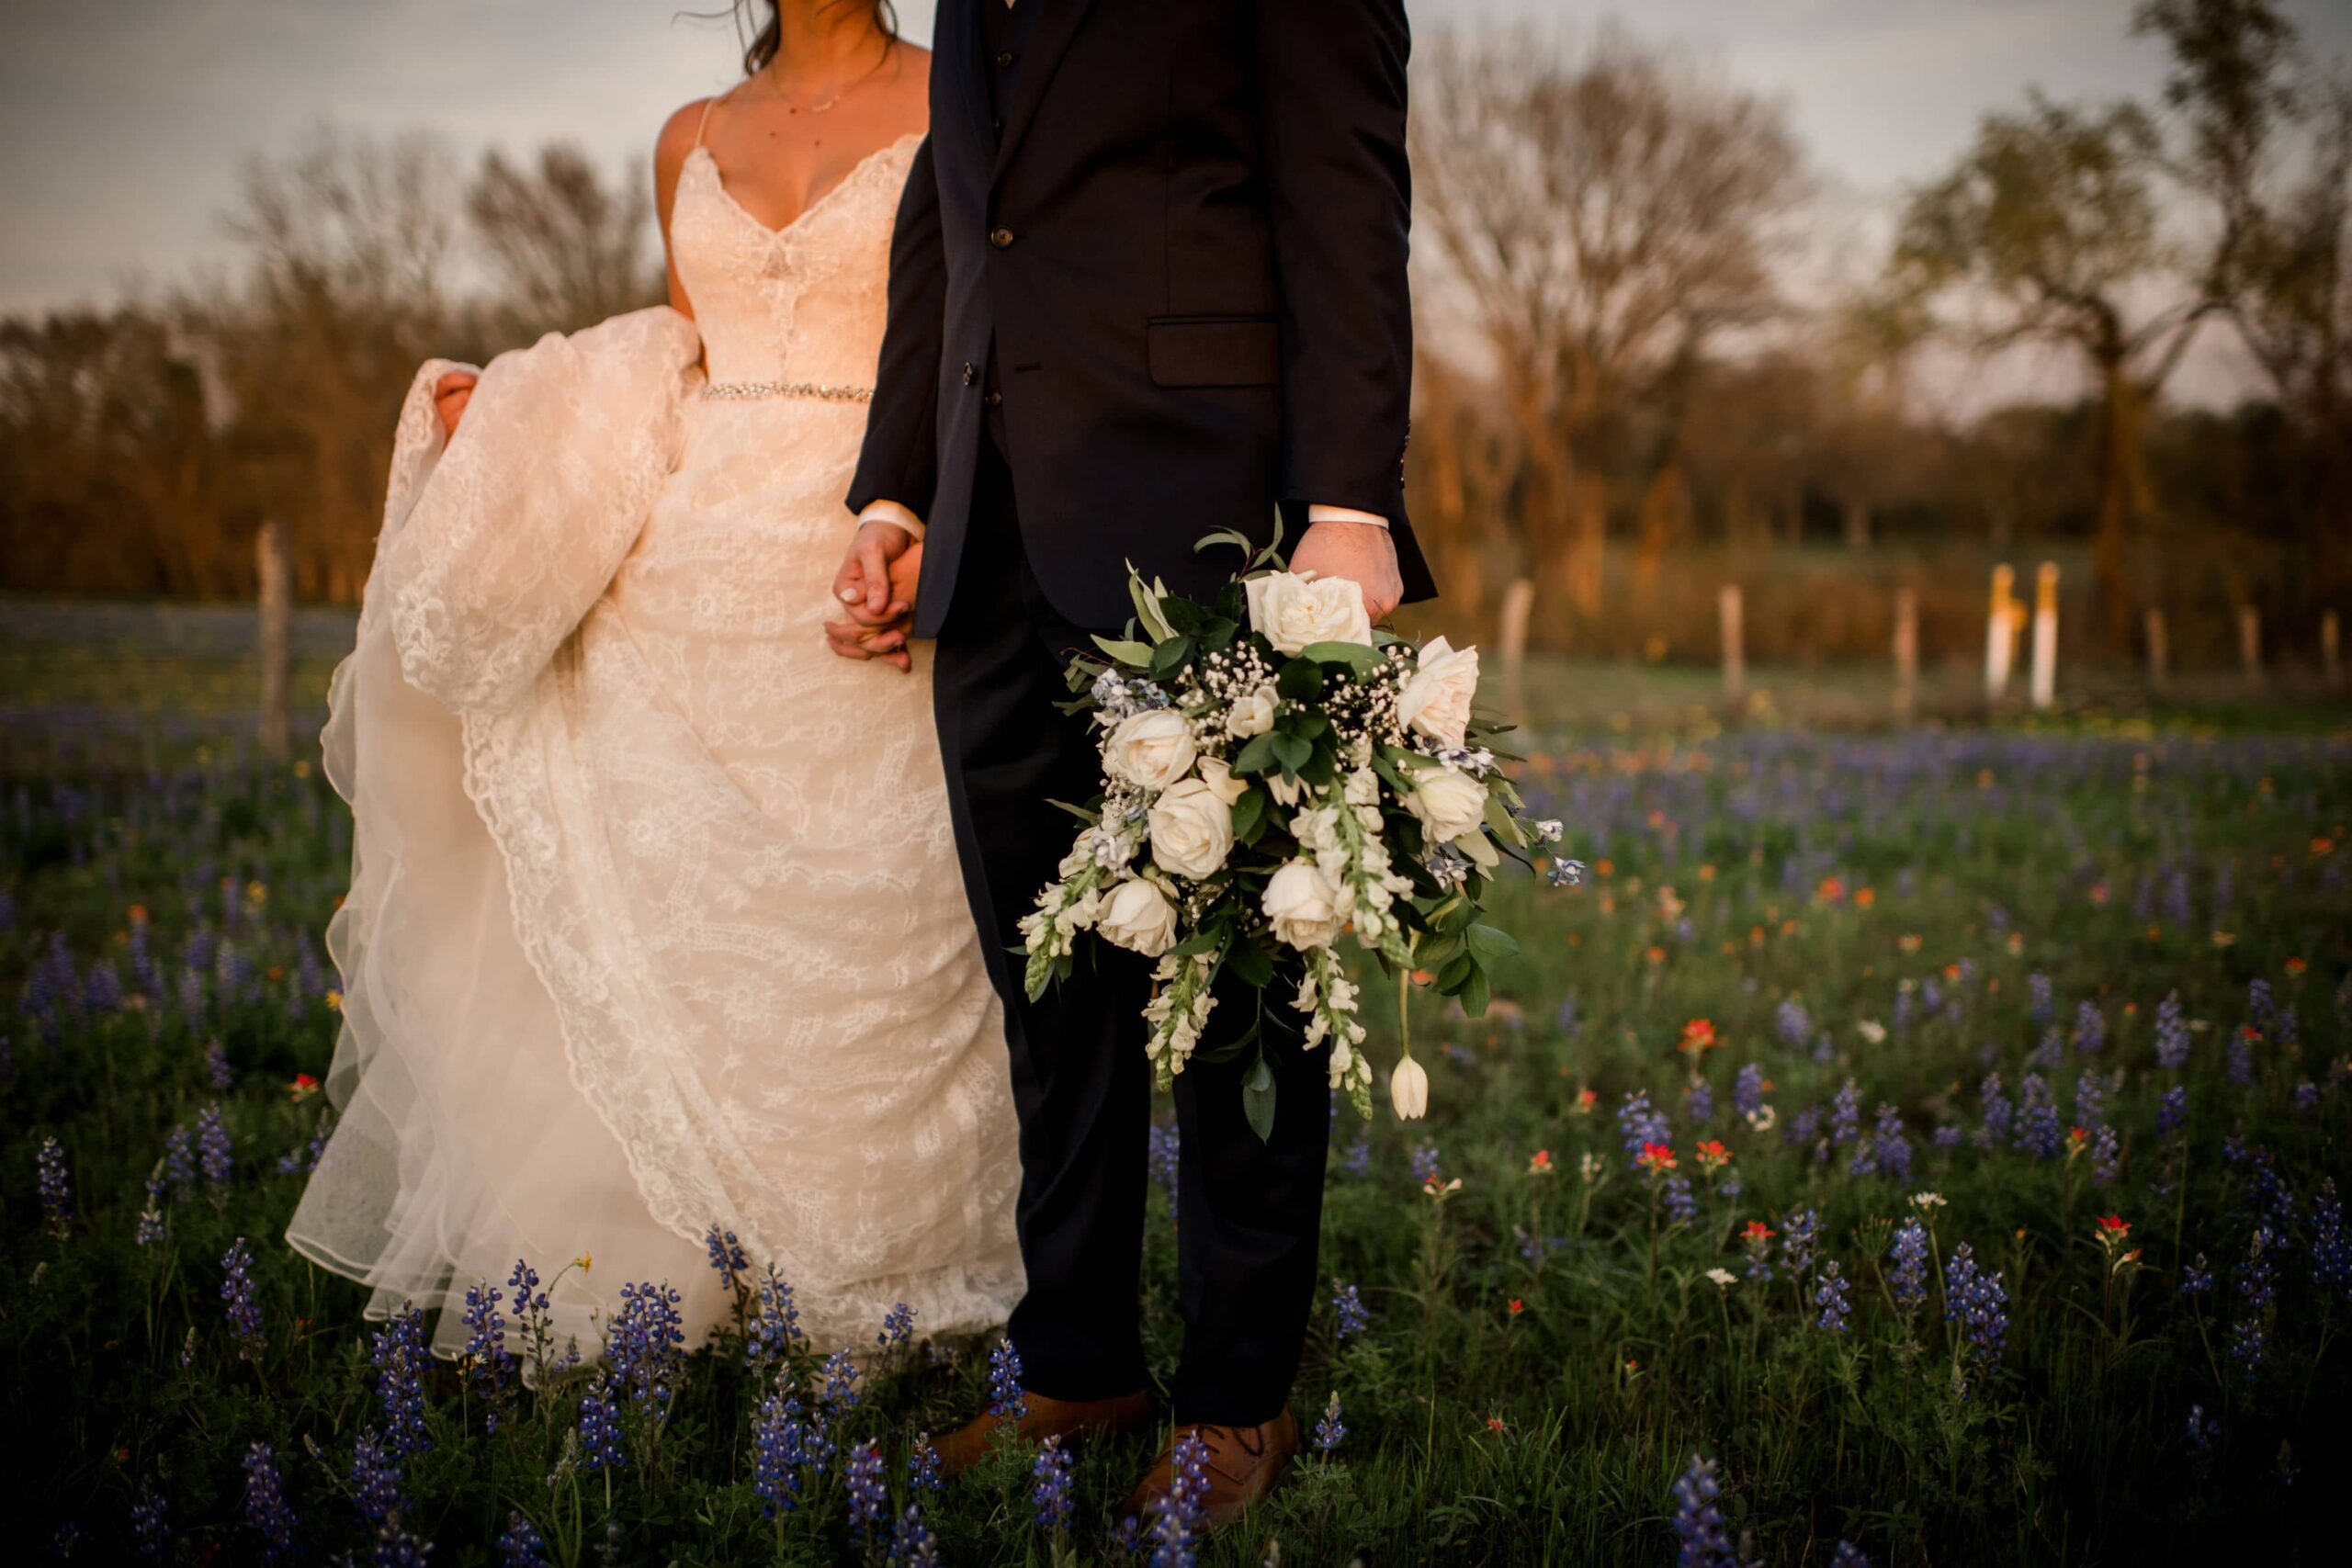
<point>1735,666</point>
<point>2331,653</point>
<point>276,575</point>
<point>1519,608</point>
<point>1907,649</point>
<point>2045,635</point>
<point>1998,634</point>
<point>2159,651</point>
<point>2250,641</point>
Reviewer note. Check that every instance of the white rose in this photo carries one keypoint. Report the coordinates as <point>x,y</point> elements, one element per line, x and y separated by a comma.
<point>1219,777</point>
<point>1137,916</point>
<point>1449,805</point>
<point>1153,749</point>
<point>1292,611</point>
<point>1251,714</point>
<point>1302,906</point>
<point>1192,829</point>
<point>1436,699</point>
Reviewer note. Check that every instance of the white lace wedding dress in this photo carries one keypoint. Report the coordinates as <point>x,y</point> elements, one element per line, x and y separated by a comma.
<point>655,921</point>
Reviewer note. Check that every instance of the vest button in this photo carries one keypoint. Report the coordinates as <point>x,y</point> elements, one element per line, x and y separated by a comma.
<point>1001,238</point>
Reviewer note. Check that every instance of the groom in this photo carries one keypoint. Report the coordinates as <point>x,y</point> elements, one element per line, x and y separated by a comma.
<point>1147,281</point>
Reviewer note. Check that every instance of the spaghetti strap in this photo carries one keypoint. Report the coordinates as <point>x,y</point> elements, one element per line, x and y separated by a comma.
<point>709,104</point>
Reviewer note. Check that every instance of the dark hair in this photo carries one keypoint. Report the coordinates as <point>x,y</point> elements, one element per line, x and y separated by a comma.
<point>764,35</point>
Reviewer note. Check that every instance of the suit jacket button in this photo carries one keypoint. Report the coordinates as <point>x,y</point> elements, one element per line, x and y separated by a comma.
<point>993,398</point>
<point>1001,238</point>
<point>971,376</point>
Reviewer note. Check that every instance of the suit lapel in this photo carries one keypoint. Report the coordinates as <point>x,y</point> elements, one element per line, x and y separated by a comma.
<point>1049,35</point>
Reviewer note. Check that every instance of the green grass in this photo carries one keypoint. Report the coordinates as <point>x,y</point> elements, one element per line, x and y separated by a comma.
<point>1732,856</point>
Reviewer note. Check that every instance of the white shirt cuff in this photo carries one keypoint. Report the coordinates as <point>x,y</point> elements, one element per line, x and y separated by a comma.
<point>1319,512</point>
<point>890,512</point>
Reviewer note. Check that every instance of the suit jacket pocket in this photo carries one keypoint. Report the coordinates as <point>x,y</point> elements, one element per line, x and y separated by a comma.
<point>1214,351</point>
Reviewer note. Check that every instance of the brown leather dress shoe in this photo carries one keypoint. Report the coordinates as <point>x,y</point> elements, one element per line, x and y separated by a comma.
<point>1069,1419</point>
<point>1243,1463</point>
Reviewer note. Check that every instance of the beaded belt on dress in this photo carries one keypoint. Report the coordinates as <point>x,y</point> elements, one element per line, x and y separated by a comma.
<point>821,390</point>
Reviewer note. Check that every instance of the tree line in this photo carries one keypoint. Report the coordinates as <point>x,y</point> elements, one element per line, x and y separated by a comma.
<point>1630,390</point>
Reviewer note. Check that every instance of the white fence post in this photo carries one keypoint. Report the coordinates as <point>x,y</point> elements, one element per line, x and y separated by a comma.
<point>1998,634</point>
<point>2045,635</point>
<point>1734,667</point>
<point>276,576</point>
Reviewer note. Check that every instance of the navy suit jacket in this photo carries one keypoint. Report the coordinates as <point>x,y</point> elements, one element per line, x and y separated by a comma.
<point>1186,250</point>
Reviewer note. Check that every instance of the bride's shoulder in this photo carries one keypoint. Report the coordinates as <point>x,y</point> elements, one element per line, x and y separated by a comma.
<point>908,87</point>
<point>680,132</point>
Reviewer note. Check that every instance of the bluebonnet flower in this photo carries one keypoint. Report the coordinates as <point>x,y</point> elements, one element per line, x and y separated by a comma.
<point>600,1427</point>
<point>1054,1478</point>
<point>2040,1006</point>
<point>2261,1007</point>
<point>774,1323</point>
<point>923,1467</point>
<point>489,1365</point>
<point>2204,1430</point>
<point>1978,1302</point>
<point>533,1320</point>
<point>1908,1280</point>
<point>1697,1522</point>
<point>1425,1163</point>
<point>1845,1117</point>
<point>1348,1308</point>
<point>898,1326</point>
<point>1799,1232</point>
<point>2331,1255</point>
<point>1355,1159</point>
<point>1178,1519</point>
<point>2107,1156</point>
<point>2286,1027</point>
<point>520,1546</point>
<point>2306,1097</point>
<point>1830,1297</point>
<point>1007,1402</point>
<point>2171,1111</point>
<point>1331,1429</point>
<point>2047,1057</point>
<point>397,1350</point>
<point>727,1258</point>
<point>1804,1127</point>
<point>1699,1103</point>
<point>1638,1125</point>
<point>56,1188</point>
<point>1748,1091</point>
<point>151,1526</point>
<point>912,1542</point>
<point>2090,1029</point>
<point>2241,1055</point>
<point>304,1160</point>
<point>1891,1148</point>
<point>840,1382</point>
<point>217,1071</point>
<point>179,1161</point>
<point>643,1344</point>
<point>2249,1347</point>
<point>376,1478</point>
<point>778,1447</point>
<point>1905,1008</point>
<point>267,1515</point>
<point>1681,1207</point>
<point>2172,1035</point>
<point>214,1156</point>
<point>2196,1278</point>
<point>1757,1240</point>
<point>2039,1133</point>
<point>237,1300</point>
<point>2258,1275</point>
<point>1848,1556</point>
<point>1947,1137</point>
<point>1791,1022</point>
<point>1997,1112</point>
<point>869,1496</point>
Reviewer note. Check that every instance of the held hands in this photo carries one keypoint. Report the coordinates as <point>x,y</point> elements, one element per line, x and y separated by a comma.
<point>450,396</point>
<point>1361,552</point>
<point>875,588</point>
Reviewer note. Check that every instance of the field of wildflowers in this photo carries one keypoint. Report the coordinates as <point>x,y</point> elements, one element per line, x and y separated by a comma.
<point>1911,1148</point>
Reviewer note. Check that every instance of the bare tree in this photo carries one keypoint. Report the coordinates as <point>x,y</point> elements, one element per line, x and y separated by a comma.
<point>1600,212</point>
<point>566,249</point>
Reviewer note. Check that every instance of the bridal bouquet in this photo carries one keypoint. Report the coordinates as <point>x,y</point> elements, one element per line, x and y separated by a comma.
<point>1277,775</point>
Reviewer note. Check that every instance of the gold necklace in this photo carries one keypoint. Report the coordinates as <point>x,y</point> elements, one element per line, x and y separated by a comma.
<point>839,93</point>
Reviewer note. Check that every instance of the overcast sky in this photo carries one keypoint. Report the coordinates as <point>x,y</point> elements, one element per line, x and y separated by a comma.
<point>123,122</point>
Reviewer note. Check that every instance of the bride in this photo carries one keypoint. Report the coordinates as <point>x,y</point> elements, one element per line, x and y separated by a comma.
<point>655,934</point>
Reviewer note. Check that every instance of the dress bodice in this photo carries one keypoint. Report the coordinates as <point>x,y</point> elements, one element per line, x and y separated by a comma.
<point>805,302</point>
